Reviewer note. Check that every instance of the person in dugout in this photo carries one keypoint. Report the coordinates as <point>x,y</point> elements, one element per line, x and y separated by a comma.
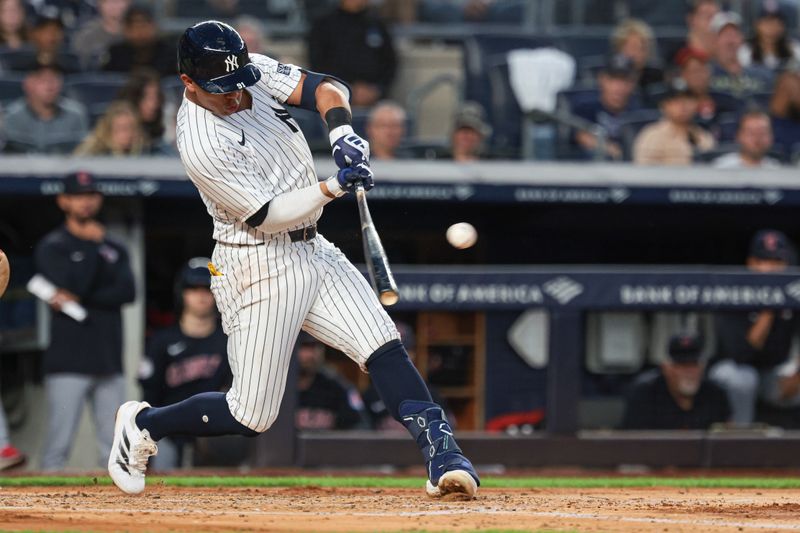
<point>187,358</point>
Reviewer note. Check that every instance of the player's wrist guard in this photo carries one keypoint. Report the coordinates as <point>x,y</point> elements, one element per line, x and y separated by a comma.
<point>339,121</point>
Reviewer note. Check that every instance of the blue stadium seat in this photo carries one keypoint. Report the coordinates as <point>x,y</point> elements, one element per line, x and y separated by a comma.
<point>582,46</point>
<point>10,86</point>
<point>94,88</point>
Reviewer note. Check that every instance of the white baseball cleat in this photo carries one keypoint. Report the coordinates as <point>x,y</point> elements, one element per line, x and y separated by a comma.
<point>131,449</point>
<point>453,482</point>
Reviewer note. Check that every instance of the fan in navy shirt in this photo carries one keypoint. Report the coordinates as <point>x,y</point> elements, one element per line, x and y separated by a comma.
<point>617,81</point>
<point>187,358</point>
<point>676,396</point>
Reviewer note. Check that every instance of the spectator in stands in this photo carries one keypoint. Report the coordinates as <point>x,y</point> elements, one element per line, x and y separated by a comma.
<point>386,128</point>
<point>694,69</point>
<point>700,36</point>
<point>755,141</point>
<point>13,30</point>
<point>753,347</point>
<point>253,34</point>
<point>770,46</point>
<point>675,138</point>
<point>728,74</point>
<point>72,13</point>
<point>118,133</point>
<point>92,41</point>
<point>84,359</point>
<point>142,46</point>
<point>634,39</point>
<point>43,121</point>
<point>326,400</point>
<point>188,358</point>
<point>785,110</point>
<point>143,91</point>
<point>677,395</point>
<point>47,40</point>
<point>616,82</point>
<point>356,46</point>
<point>470,133</point>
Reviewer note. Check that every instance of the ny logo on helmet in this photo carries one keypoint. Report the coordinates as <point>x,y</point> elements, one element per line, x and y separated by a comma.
<point>231,63</point>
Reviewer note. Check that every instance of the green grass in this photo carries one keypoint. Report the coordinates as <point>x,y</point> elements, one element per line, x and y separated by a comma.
<point>406,482</point>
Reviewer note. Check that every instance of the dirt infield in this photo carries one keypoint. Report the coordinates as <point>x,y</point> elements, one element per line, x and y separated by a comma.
<point>163,508</point>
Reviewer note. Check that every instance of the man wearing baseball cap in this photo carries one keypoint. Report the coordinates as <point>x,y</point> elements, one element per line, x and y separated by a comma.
<point>753,347</point>
<point>728,75</point>
<point>616,82</point>
<point>677,395</point>
<point>84,359</point>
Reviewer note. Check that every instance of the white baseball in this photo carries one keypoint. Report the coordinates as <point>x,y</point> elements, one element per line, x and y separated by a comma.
<point>462,235</point>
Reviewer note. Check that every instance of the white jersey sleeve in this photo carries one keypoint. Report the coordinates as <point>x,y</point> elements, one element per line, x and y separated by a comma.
<point>278,79</point>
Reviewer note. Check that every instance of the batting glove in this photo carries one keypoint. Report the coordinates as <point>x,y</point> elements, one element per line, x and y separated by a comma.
<point>350,176</point>
<point>349,150</point>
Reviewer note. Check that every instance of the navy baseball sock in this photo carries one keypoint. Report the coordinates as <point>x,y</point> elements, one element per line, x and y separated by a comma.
<point>202,415</point>
<point>395,377</point>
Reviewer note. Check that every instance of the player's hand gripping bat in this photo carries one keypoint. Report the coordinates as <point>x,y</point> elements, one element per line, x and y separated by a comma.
<point>378,264</point>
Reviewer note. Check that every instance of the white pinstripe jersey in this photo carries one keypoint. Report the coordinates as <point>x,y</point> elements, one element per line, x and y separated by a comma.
<point>235,180</point>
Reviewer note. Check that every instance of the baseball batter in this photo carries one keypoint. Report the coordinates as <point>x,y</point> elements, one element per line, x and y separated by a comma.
<point>273,275</point>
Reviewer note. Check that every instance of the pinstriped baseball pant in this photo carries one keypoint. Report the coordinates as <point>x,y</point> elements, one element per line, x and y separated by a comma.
<point>267,294</point>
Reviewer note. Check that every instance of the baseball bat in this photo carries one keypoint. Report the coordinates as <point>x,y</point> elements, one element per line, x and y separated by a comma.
<point>377,263</point>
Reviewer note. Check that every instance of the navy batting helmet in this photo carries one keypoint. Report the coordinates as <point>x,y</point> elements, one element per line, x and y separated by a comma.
<point>195,273</point>
<point>215,56</point>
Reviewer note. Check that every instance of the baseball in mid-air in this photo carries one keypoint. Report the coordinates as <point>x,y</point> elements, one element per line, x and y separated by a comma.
<point>462,235</point>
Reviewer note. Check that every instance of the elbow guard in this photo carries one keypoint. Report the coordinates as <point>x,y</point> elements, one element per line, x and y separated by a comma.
<point>308,97</point>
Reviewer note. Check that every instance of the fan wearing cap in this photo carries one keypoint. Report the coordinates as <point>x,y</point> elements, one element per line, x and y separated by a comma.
<point>675,138</point>
<point>470,133</point>
<point>728,75</point>
<point>753,348</point>
<point>84,359</point>
<point>676,395</point>
<point>606,108</point>
<point>187,358</point>
<point>770,46</point>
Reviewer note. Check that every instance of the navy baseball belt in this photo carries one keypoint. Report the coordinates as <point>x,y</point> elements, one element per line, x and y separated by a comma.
<point>303,234</point>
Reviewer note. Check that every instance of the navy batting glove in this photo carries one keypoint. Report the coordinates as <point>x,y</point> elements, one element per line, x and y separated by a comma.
<point>350,150</point>
<point>349,177</point>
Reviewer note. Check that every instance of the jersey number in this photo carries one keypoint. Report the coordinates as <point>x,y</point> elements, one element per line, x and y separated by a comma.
<point>286,118</point>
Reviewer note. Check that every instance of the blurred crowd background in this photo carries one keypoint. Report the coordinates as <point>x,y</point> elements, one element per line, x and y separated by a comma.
<point>688,81</point>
